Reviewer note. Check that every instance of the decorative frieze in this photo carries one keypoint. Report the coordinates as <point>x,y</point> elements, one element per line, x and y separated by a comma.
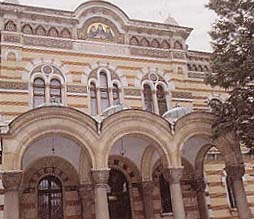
<point>46,42</point>
<point>179,55</point>
<point>151,53</point>
<point>12,38</point>
<point>76,89</point>
<point>9,85</point>
<point>132,92</point>
<point>196,75</point>
<point>184,95</point>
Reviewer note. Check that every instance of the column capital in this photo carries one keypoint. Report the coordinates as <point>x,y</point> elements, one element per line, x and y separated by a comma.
<point>235,172</point>
<point>147,187</point>
<point>173,175</point>
<point>100,177</point>
<point>11,179</point>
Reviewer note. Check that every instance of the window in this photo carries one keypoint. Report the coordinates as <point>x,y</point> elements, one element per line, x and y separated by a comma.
<point>166,203</point>
<point>148,98</point>
<point>116,96</point>
<point>55,91</point>
<point>47,85</point>
<point>104,91</point>
<point>50,198</point>
<point>161,98</point>
<point>93,99</point>
<point>39,97</point>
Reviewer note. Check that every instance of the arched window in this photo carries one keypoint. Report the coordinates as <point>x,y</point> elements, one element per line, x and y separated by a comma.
<point>161,98</point>
<point>55,91</point>
<point>39,96</point>
<point>116,96</point>
<point>148,98</point>
<point>104,91</point>
<point>50,198</point>
<point>93,99</point>
<point>166,202</point>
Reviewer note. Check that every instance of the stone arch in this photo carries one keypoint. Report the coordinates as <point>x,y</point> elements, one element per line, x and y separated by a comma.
<point>43,167</point>
<point>126,166</point>
<point>144,42</point>
<point>40,30</point>
<point>10,26</point>
<point>134,41</point>
<point>27,29</point>
<point>135,123</point>
<point>65,33</point>
<point>30,126</point>
<point>50,165</point>
<point>200,124</point>
<point>53,32</point>
<point>165,44</point>
<point>107,7</point>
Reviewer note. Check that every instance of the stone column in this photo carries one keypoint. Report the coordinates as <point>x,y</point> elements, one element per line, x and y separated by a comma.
<point>147,191</point>
<point>173,176</point>
<point>235,174</point>
<point>199,186</point>
<point>100,178</point>
<point>86,193</point>
<point>11,181</point>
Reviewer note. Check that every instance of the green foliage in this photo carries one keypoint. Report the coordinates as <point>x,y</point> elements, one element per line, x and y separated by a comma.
<point>233,66</point>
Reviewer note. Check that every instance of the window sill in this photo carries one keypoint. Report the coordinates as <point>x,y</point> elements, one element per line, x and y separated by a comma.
<point>164,215</point>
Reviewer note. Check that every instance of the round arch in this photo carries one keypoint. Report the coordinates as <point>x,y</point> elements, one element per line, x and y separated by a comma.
<point>136,123</point>
<point>200,124</point>
<point>44,121</point>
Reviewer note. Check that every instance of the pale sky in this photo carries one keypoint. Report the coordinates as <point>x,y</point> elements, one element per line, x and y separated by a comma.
<point>190,13</point>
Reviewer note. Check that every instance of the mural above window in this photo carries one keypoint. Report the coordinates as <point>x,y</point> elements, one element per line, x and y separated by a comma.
<point>100,31</point>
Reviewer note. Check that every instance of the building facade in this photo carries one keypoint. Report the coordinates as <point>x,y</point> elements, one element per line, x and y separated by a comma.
<point>103,116</point>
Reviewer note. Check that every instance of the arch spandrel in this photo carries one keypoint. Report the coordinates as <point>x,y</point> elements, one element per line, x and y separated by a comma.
<point>45,121</point>
<point>135,123</point>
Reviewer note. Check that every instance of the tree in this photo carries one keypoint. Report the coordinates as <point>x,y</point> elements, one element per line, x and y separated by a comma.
<point>233,66</point>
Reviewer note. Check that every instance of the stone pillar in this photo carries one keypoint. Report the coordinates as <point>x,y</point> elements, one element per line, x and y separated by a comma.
<point>235,174</point>
<point>11,181</point>
<point>86,193</point>
<point>100,178</point>
<point>147,192</point>
<point>173,176</point>
<point>199,186</point>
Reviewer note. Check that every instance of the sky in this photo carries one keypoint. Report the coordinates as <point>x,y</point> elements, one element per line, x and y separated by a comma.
<point>189,13</point>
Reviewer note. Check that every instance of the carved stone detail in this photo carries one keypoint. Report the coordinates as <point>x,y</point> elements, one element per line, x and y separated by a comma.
<point>76,89</point>
<point>11,38</point>
<point>100,177</point>
<point>185,95</point>
<point>13,85</point>
<point>11,180</point>
<point>147,187</point>
<point>61,44</point>
<point>173,175</point>
<point>151,53</point>
<point>235,172</point>
<point>132,92</point>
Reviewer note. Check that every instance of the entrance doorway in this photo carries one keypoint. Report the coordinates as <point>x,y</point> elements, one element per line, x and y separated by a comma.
<point>118,198</point>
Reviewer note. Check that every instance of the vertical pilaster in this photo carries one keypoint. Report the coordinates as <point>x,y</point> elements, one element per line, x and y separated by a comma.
<point>100,178</point>
<point>199,186</point>
<point>86,193</point>
<point>11,181</point>
<point>147,191</point>
<point>173,176</point>
<point>235,174</point>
